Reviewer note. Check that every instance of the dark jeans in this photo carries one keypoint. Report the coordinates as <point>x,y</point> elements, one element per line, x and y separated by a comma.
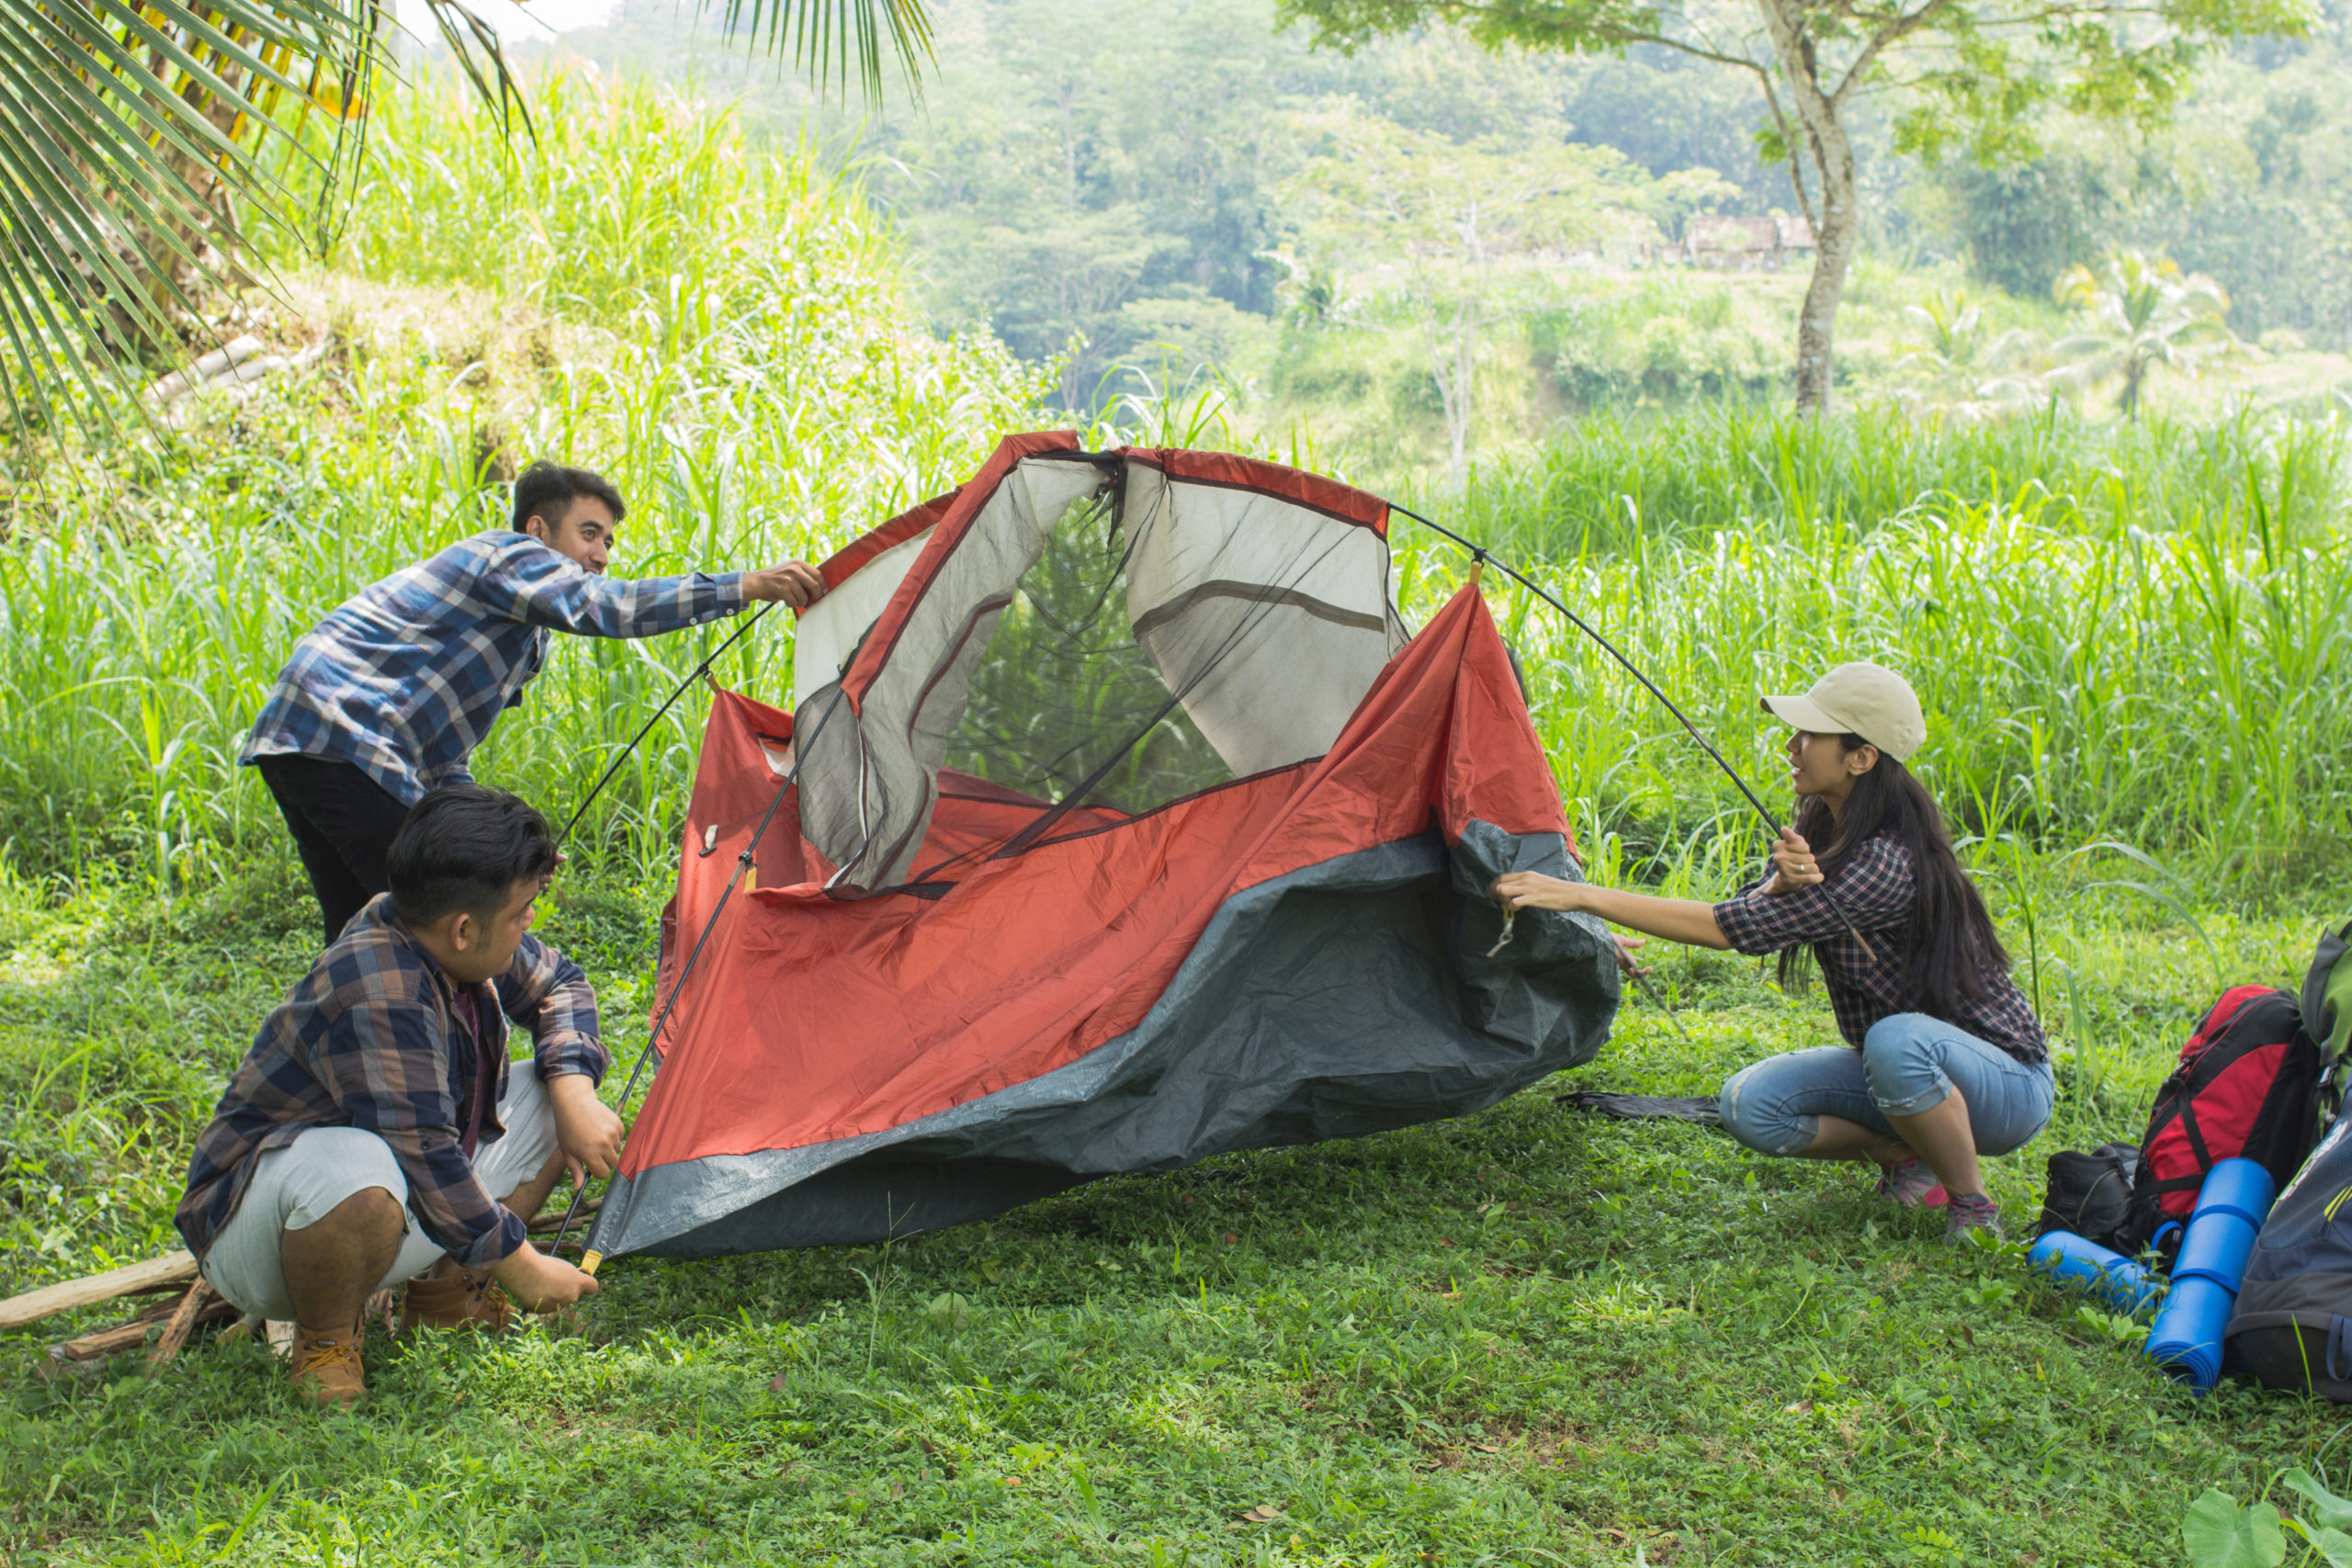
<point>343,822</point>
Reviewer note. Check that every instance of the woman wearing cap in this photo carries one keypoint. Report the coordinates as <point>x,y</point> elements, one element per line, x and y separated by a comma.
<point>1946,1062</point>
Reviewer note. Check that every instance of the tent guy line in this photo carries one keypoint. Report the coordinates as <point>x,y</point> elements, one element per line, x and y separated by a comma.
<point>589,1259</point>
<point>1479,553</point>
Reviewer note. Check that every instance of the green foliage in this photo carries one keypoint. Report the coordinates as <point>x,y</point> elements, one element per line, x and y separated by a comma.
<point>1974,75</point>
<point>1453,233</point>
<point>147,147</point>
<point>2156,611</point>
<point>1665,338</point>
<point>2022,224</point>
<point>758,391</point>
<point>2219,1533</point>
<point>2139,313</point>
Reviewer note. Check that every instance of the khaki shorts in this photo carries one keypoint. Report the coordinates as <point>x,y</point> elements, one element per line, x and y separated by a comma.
<point>296,1187</point>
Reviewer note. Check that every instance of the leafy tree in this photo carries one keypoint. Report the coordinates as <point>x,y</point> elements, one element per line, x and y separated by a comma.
<point>1965,75</point>
<point>2022,224</point>
<point>2140,314</point>
<point>1453,230</point>
<point>140,143</point>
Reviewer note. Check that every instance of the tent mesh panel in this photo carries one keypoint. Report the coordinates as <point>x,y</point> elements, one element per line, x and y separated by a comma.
<point>1065,706</point>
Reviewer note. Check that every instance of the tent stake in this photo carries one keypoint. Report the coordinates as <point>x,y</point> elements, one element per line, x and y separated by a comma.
<point>1480,555</point>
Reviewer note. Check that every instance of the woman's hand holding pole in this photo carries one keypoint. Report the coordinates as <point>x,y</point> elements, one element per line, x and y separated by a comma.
<point>1792,864</point>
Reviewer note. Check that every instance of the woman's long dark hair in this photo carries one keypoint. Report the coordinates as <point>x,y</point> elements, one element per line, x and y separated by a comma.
<point>1955,957</point>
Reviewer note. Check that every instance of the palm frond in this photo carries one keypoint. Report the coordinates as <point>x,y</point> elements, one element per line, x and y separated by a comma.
<point>832,40</point>
<point>138,138</point>
<point>129,135</point>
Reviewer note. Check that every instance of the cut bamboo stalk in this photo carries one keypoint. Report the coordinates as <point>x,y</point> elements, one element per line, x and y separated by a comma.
<point>172,1269</point>
<point>176,1329</point>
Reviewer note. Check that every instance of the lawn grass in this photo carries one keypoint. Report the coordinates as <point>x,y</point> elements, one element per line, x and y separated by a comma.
<point>1526,1336</point>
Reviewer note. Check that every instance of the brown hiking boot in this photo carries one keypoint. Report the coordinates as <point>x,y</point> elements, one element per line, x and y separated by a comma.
<point>327,1370</point>
<point>463,1300</point>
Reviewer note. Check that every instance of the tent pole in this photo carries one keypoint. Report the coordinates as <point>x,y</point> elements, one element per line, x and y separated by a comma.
<point>1480,555</point>
<point>698,672</point>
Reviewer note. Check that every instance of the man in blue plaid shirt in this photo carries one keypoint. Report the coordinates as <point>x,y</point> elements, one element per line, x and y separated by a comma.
<point>386,698</point>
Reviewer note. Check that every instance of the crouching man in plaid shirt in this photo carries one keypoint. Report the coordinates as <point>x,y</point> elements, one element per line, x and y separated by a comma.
<point>373,1133</point>
<point>387,696</point>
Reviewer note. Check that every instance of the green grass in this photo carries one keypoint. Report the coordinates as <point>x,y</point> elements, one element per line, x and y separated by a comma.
<point>1522,1337</point>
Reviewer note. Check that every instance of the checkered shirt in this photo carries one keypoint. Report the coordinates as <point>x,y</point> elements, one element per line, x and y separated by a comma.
<point>1875,888</point>
<point>372,1038</point>
<point>405,679</point>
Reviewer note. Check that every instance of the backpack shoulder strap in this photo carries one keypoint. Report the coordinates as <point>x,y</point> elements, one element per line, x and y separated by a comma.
<point>2326,1008</point>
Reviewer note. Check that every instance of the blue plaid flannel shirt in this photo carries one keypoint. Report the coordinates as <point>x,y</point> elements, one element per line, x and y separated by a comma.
<point>405,679</point>
<point>1875,888</point>
<point>372,1038</point>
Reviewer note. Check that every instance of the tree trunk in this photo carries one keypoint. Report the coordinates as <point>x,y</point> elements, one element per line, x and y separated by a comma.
<point>1453,365</point>
<point>1831,152</point>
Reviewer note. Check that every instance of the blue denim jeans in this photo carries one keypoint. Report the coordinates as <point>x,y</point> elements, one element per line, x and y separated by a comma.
<point>1908,1063</point>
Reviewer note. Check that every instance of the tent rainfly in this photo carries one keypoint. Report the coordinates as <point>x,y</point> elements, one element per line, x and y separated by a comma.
<point>1131,826</point>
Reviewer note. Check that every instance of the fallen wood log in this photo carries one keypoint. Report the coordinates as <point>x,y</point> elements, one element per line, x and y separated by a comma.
<point>132,1335</point>
<point>156,1273</point>
<point>177,1328</point>
<point>546,1223</point>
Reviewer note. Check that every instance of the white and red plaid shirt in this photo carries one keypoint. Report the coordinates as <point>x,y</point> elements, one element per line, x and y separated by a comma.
<point>1873,887</point>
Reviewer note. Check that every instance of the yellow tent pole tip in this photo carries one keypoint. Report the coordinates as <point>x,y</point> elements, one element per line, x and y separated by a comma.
<point>588,1261</point>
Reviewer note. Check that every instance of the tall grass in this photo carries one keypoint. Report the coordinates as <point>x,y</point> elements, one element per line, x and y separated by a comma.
<point>2127,633</point>
<point>2124,632</point>
<point>726,334</point>
<point>1618,478</point>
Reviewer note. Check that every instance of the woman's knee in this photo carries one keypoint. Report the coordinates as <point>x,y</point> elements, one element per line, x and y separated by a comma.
<point>1759,1117</point>
<point>1903,1064</point>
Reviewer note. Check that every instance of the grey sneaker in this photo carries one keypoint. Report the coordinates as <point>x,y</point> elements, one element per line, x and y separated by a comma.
<point>1970,1212</point>
<point>1910,1183</point>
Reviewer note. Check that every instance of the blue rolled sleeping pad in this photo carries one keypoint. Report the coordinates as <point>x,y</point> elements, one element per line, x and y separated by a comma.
<point>2108,1277</point>
<point>2186,1339</point>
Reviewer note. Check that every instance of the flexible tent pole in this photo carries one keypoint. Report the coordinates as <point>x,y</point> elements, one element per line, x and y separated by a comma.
<point>645,728</point>
<point>1481,555</point>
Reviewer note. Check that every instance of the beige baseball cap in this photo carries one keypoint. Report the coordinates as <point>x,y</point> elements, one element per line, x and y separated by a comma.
<point>1863,699</point>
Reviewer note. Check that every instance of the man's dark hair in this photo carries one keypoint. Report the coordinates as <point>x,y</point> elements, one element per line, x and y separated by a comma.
<point>547,490</point>
<point>465,847</point>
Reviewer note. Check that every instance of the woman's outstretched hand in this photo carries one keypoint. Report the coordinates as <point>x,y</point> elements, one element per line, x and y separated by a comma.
<point>1792,864</point>
<point>1517,890</point>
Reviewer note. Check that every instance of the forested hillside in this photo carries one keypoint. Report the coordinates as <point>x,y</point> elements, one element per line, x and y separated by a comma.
<point>1146,201</point>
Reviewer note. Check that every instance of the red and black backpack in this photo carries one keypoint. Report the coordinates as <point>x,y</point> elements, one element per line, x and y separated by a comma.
<point>2248,1086</point>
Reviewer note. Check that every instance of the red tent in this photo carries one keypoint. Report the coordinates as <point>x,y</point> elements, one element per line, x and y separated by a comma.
<point>1130,827</point>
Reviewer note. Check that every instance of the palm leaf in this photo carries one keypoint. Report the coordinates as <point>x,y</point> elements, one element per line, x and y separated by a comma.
<point>139,137</point>
<point>127,131</point>
<point>832,39</point>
